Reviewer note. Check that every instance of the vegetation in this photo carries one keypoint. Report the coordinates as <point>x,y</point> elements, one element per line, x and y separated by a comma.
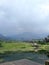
<point>22,46</point>
<point>11,47</point>
<point>1,43</point>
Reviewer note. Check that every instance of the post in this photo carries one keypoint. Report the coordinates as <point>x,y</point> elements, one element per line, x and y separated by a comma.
<point>47,62</point>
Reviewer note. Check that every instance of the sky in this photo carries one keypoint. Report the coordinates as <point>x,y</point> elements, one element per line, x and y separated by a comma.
<point>18,16</point>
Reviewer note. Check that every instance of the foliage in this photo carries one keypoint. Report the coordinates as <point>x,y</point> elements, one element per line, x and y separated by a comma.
<point>22,46</point>
<point>0,43</point>
<point>41,42</point>
<point>47,39</point>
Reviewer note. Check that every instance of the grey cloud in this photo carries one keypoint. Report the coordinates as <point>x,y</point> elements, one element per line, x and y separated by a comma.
<point>18,16</point>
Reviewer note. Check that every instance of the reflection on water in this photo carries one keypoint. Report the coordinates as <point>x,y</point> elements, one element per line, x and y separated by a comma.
<point>40,58</point>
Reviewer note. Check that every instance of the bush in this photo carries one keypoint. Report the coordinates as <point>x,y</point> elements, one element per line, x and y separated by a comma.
<point>0,44</point>
<point>42,51</point>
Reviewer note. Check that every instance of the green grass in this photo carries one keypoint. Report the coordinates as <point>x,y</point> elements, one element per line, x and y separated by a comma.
<point>45,47</point>
<point>22,46</point>
<point>8,48</point>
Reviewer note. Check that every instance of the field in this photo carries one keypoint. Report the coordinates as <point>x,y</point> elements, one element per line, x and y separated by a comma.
<point>22,46</point>
<point>19,46</point>
<point>21,49</point>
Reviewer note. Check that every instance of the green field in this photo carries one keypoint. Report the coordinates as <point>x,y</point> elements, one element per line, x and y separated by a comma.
<point>21,50</point>
<point>21,46</point>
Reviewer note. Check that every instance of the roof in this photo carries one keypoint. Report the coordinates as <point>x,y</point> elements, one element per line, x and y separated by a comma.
<point>21,62</point>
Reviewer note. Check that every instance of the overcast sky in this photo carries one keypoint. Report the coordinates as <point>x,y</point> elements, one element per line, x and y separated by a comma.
<point>18,16</point>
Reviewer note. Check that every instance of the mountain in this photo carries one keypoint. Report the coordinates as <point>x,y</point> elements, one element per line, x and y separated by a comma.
<point>1,36</point>
<point>27,36</point>
<point>23,36</point>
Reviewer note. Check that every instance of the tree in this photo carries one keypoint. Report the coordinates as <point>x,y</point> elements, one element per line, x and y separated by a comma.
<point>47,39</point>
<point>0,43</point>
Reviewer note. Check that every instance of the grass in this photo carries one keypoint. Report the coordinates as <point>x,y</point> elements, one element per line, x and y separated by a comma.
<point>11,48</point>
<point>44,47</point>
<point>8,48</point>
<point>22,46</point>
